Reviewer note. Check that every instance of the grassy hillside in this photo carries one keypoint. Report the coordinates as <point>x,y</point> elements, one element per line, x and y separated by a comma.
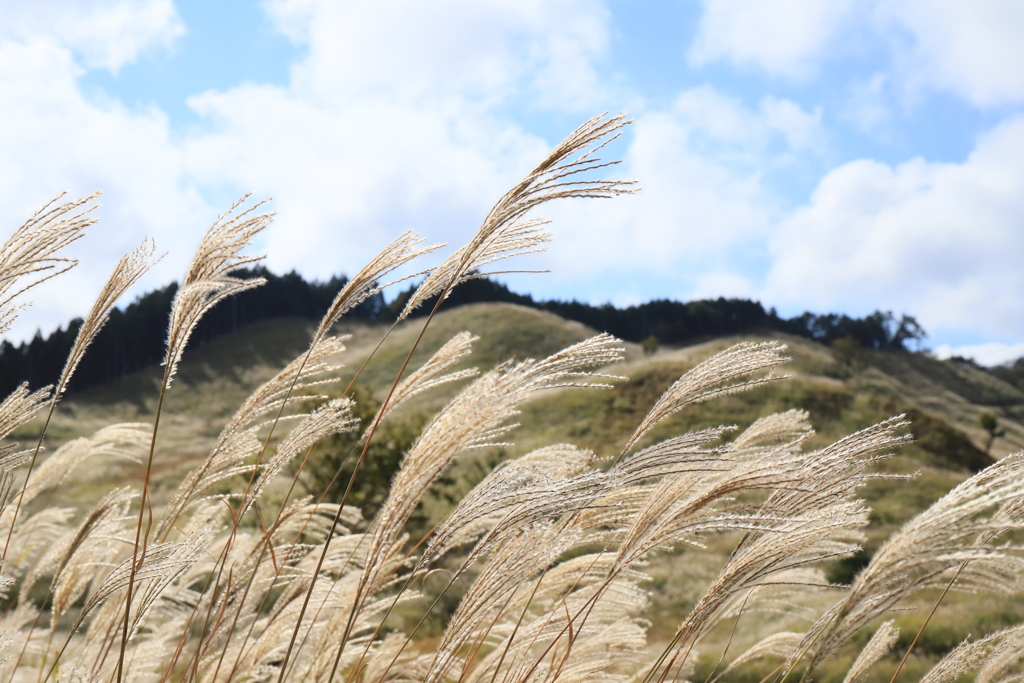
<point>942,398</point>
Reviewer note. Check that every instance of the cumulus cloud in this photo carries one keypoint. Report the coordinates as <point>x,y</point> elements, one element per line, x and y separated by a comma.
<point>939,240</point>
<point>398,116</point>
<point>970,49</point>
<point>990,354</point>
<point>347,180</point>
<point>413,51</point>
<point>55,139</point>
<point>395,117</point>
<point>703,203</point>
<point>107,34</point>
<point>781,37</point>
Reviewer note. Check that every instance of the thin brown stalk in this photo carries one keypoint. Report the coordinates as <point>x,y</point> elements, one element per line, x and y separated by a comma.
<point>138,526</point>
<point>483,636</point>
<point>360,287</point>
<point>323,494</point>
<point>772,673</point>
<point>344,499</point>
<point>207,282</point>
<point>732,634</point>
<point>931,613</point>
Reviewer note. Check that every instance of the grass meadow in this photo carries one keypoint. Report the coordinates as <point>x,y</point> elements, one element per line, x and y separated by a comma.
<point>492,494</point>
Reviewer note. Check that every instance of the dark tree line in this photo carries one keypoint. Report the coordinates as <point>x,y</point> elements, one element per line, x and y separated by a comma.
<point>676,322</point>
<point>881,331</point>
<point>134,338</point>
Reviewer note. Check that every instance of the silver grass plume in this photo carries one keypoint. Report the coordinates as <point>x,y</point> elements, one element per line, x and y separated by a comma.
<point>79,560</point>
<point>474,419</point>
<point>543,501</point>
<point>942,539</point>
<point>681,454</point>
<point>129,269</point>
<point>773,429</point>
<point>809,516</point>
<point>839,469</point>
<point>19,407</point>
<point>552,642</point>
<point>432,373</point>
<point>519,483</point>
<point>36,534</point>
<point>31,252</point>
<point>604,652</point>
<point>969,656</point>
<point>776,546</point>
<point>363,285</point>
<point>786,596</point>
<point>780,644</point>
<point>164,563</point>
<point>504,232</point>
<point>127,273</point>
<point>881,642</point>
<point>238,439</point>
<point>686,504</point>
<point>703,382</point>
<point>408,667</point>
<point>366,282</point>
<point>126,441</point>
<point>208,280</point>
<point>515,560</point>
<point>333,417</point>
<point>1000,663</point>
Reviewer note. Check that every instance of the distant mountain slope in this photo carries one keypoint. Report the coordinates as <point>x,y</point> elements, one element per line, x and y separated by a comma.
<point>133,339</point>
<point>215,378</point>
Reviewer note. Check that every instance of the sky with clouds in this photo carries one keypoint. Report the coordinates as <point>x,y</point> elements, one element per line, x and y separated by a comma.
<point>844,156</point>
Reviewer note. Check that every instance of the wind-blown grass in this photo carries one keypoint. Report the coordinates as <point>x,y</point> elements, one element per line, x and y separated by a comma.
<point>536,574</point>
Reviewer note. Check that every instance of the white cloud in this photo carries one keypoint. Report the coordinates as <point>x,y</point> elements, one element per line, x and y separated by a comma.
<point>406,50</point>
<point>801,129</point>
<point>107,34</point>
<point>971,49</point>
<point>393,119</point>
<point>724,129</point>
<point>399,116</point>
<point>992,353</point>
<point>780,37</point>
<point>54,139</point>
<point>867,106</point>
<point>940,241</point>
<point>723,284</point>
<point>347,180</point>
<point>702,204</point>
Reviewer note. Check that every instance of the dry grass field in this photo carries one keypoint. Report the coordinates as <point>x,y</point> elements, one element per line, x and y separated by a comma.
<point>492,493</point>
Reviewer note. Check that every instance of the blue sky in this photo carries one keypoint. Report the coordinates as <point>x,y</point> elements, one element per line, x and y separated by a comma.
<point>844,156</point>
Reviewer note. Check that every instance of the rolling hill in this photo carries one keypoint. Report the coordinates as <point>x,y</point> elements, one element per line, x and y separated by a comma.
<point>941,398</point>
